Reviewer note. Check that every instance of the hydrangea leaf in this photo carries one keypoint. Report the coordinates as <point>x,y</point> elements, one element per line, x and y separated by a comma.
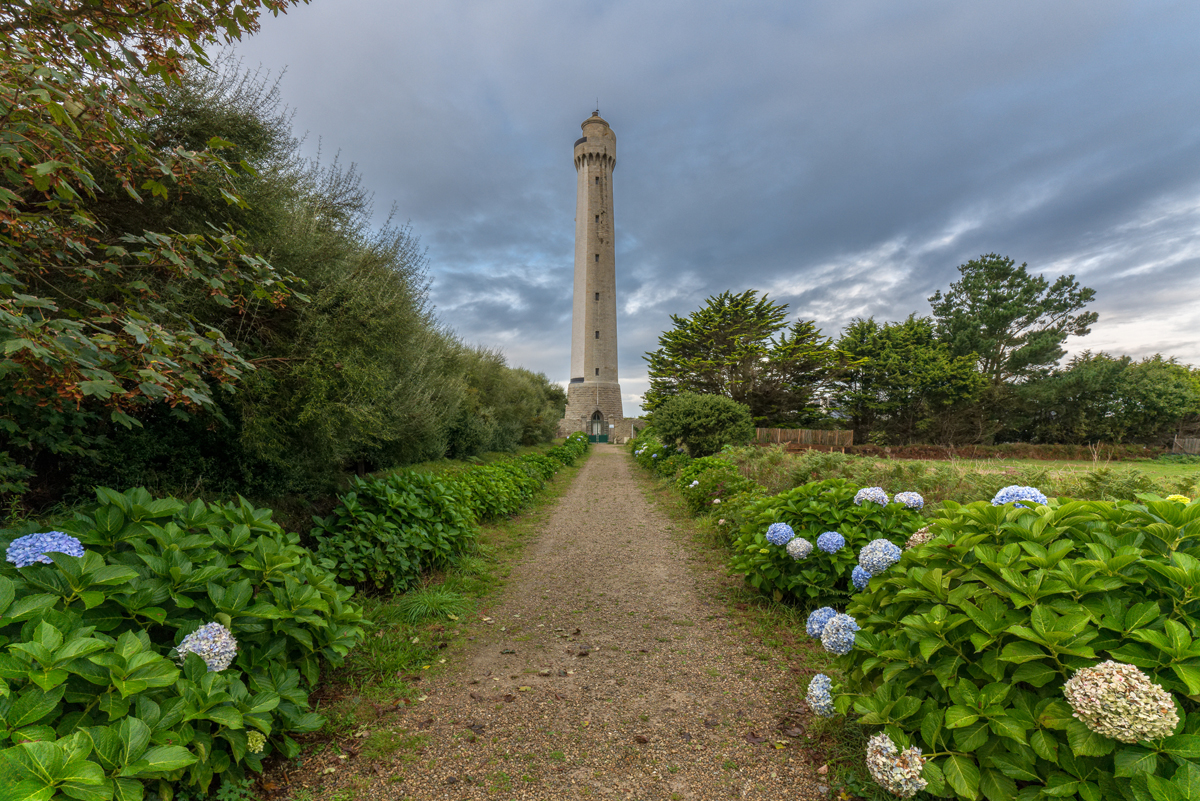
<point>1131,760</point>
<point>1180,745</point>
<point>1085,742</point>
<point>995,786</point>
<point>962,775</point>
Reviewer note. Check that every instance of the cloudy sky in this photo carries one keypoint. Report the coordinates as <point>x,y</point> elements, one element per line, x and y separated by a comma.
<point>844,156</point>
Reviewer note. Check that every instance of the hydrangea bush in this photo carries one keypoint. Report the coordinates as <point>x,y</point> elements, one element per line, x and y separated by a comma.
<point>707,479</point>
<point>177,642</point>
<point>821,509</point>
<point>1034,653</point>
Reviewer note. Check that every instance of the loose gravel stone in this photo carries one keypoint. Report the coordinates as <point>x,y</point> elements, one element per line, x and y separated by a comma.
<point>667,703</point>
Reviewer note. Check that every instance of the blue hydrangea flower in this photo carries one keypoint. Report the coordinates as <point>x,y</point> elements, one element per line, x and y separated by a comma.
<point>873,494</point>
<point>860,578</point>
<point>1013,493</point>
<point>818,697</point>
<point>24,551</point>
<point>654,456</point>
<point>838,634</point>
<point>213,643</point>
<point>817,620</point>
<point>780,534</point>
<point>831,542</point>
<point>912,500</point>
<point>877,556</point>
<point>799,548</point>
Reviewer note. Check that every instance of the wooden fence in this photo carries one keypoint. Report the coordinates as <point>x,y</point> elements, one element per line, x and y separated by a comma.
<point>804,436</point>
<point>1186,445</point>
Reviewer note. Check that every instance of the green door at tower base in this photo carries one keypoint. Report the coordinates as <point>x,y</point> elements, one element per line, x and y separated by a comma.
<point>597,437</point>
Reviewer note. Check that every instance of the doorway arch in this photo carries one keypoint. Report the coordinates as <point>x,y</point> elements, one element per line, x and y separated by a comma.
<point>597,429</point>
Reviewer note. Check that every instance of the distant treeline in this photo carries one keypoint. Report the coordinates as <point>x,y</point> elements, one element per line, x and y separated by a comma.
<point>334,362</point>
<point>984,368</point>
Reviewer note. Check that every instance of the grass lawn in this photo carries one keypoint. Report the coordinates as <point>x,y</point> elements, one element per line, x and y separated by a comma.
<point>1150,467</point>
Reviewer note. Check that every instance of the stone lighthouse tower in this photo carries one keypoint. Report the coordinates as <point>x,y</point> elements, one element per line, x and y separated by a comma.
<point>594,396</point>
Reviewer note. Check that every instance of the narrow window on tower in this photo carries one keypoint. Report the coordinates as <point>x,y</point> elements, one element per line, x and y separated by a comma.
<point>597,257</point>
<point>597,180</point>
<point>597,335</point>
<point>597,296</point>
<point>597,371</point>
<point>597,219</point>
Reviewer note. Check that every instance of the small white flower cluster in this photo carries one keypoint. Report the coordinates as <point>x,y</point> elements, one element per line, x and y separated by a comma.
<point>1121,702</point>
<point>912,500</point>
<point>695,483</point>
<point>878,555</point>
<point>818,697</point>
<point>213,643</point>
<point>898,772</point>
<point>919,537</point>
<point>872,494</point>
<point>716,501</point>
<point>1013,493</point>
<point>799,548</point>
<point>255,742</point>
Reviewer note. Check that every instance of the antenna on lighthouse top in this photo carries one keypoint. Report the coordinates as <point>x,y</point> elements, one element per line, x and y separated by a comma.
<point>597,114</point>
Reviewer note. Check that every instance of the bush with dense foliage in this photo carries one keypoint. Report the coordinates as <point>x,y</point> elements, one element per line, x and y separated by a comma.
<point>703,423</point>
<point>967,644</point>
<point>388,530</point>
<point>708,482</point>
<point>811,510</point>
<point>98,693</point>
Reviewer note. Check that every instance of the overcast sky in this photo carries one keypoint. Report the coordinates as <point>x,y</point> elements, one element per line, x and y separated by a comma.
<point>844,156</point>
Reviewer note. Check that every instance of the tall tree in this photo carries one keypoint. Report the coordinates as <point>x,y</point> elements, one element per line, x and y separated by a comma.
<point>742,347</point>
<point>1015,323</point>
<point>83,326</point>
<point>906,385</point>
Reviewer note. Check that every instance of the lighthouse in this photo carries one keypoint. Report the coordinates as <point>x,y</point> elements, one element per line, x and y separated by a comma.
<point>594,394</point>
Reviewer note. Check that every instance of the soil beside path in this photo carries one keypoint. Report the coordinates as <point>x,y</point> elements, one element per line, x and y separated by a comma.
<point>604,669</point>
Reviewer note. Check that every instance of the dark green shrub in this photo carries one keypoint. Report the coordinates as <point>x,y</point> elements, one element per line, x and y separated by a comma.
<point>648,451</point>
<point>811,510</point>
<point>92,704</point>
<point>703,423</point>
<point>967,642</point>
<point>386,531</point>
<point>575,446</point>
<point>707,483</point>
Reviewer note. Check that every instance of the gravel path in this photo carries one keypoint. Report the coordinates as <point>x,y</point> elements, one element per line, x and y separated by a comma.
<point>605,669</point>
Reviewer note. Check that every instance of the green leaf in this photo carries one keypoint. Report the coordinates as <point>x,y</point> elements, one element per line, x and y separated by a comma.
<point>1037,674</point>
<point>1085,742</point>
<point>1132,759</point>
<point>1181,745</point>
<point>962,775</point>
<point>26,790</point>
<point>32,705</point>
<point>995,786</point>
<point>160,759</point>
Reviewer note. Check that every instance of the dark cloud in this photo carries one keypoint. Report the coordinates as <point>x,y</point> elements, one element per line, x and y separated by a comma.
<point>844,157</point>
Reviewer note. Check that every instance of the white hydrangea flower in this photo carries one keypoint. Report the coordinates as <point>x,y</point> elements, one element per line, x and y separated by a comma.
<point>1119,701</point>
<point>898,772</point>
<point>919,537</point>
<point>213,643</point>
<point>799,548</point>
